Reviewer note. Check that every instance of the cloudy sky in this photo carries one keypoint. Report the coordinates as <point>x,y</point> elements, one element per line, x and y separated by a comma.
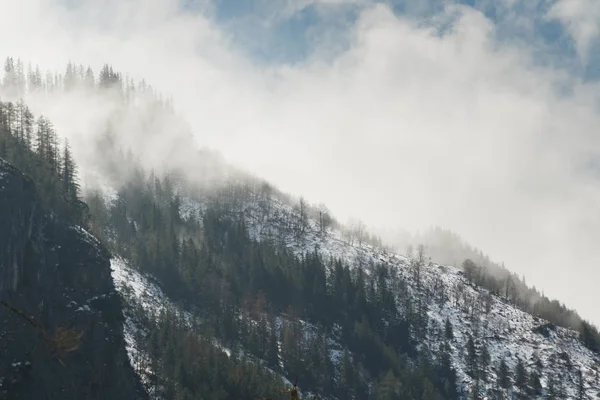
<point>479,116</point>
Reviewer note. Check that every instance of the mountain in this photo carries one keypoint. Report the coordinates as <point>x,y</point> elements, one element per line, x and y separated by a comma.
<point>60,316</point>
<point>231,289</point>
<point>410,308</point>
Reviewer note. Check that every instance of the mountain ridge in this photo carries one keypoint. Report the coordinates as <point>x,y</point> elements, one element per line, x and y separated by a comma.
<point>262,286</point>
<point>522,336</point>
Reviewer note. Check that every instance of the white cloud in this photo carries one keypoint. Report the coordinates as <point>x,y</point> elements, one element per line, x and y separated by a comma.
<point>405,128</point>
<point>581,19</point>
<point>293,6</point>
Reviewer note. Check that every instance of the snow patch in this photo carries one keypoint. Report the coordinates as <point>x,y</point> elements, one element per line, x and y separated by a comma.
<point>88,237</point>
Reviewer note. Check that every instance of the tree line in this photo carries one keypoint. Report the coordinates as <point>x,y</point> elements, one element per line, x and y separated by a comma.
<point>32,145</point>
<point>344,332</point>
<point>515,290</point>
<point>20,80</point>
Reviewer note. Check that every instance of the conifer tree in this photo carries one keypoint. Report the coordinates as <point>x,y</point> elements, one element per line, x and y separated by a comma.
<point>448,331</point>
<point>69,174</point>
<point>484,362</point>
<point>471,357</point>
<point>535,385</point>
<point>504,379</point>
<point>551,387</point>
<point>580,385</point>
<point>521,377</point>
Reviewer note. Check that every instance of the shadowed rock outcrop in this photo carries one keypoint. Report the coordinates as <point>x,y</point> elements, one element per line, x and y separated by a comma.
<point>71,346</point>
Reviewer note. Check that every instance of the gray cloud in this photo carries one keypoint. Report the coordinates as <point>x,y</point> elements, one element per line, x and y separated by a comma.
<point>406,127</point>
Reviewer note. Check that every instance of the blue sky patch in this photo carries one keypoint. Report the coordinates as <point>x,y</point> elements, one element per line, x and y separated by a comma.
<point>268,35</point>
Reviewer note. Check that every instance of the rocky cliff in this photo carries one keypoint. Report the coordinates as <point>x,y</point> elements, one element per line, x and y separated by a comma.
<point>61,322</point>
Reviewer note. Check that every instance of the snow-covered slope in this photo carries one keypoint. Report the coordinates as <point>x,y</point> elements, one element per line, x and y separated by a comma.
<point>508,333</point>
<point>140,295</point>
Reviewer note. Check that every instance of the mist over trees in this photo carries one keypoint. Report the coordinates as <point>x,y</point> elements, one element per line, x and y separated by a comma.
<point>33,147</point>
<point>448,248</point>
<point>253,295</point>
<point>20,80</point>
<point>94,106</point>
<point>139,124</point>
<point>257,297</point>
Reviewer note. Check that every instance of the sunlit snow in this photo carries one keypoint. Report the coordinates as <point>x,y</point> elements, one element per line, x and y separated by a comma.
<point>508,332</point>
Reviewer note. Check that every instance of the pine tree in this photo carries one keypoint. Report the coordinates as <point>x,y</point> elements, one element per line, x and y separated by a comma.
<point>551,390</point>
<point>28,123</point>
<point>9,83</point>
<point>69,174</point>
<point>471,358</point>
<point>535,385</point>
<point>521,377</point>
<point>504,380</point>
<point>448,331</point>
<point>347,377</point>
<point>89,79</point>
<point>70,80</point>
<point>429,391</point>
<point>20,80</point>
<point>41,137</point>
<point>484,361</point>
<point>19,130</point>
<point>387,389</point>
<point>580,385</point>
<point>446,372</point>
<point>561,391</point>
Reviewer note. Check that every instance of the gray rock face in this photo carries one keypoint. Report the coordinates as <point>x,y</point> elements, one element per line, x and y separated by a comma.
<point>59,276</point>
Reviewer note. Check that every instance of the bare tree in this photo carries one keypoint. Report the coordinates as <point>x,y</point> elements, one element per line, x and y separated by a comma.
<point>459,289</point>
<point>489,301</point>
<point>510,289</point>
<point>409,251</point>
<point>302,217</point>
<point>439,290</point>
<point>325,219</point>
<point>361,230</point>
<point>265,192</point>
<point>470,269</point>
<point>421,254</point>
<point>349,232</point>
<point>418,263</point>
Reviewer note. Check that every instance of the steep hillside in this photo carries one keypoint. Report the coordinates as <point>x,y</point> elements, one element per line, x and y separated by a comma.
<point>60,318</point>
<point>481,321</point>
<point>447,248</point>
<point>232,289</point>
<point>391,327</point>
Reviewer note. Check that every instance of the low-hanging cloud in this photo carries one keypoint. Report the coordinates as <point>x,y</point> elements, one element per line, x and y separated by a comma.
<point>414,123</point>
